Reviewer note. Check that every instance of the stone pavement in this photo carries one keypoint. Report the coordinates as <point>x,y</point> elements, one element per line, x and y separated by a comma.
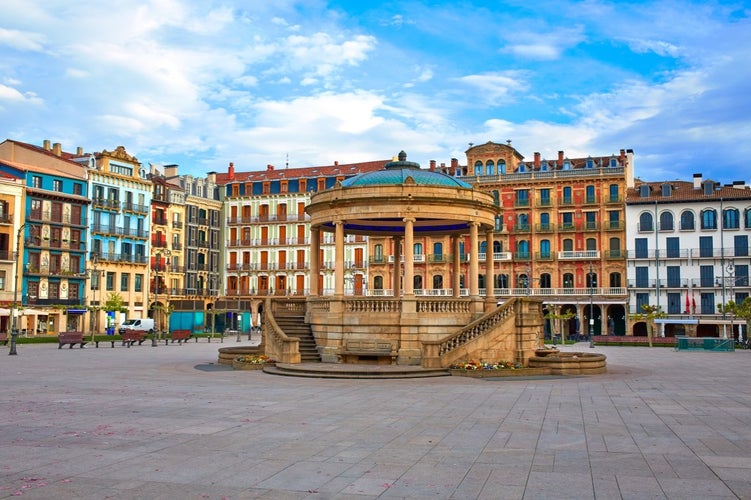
<point>168,422</point>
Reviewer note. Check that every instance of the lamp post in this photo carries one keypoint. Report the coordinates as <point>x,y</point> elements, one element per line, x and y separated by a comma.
<point>94,321</point>
<point>13,309</point>
<point>592,284</point>
<point>167,255</point>
<point>237,318</point>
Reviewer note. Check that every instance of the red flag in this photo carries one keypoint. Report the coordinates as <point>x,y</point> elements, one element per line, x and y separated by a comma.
<point>688,304</point>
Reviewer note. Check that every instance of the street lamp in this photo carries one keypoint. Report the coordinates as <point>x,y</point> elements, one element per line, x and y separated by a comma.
<point>14,330</point>
<point>237,319</point>
<point>167,255</point>
<point>94,320</point>
<point>592,284</point>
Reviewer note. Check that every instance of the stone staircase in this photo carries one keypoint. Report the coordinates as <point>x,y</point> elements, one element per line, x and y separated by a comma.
<point>295,326</point>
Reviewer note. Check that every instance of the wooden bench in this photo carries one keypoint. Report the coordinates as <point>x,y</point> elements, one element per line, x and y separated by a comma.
<point>128,338</point>
<point>70,338</point>
<point>364,349</point>
<point>179,336</point>
<point>4,338</point>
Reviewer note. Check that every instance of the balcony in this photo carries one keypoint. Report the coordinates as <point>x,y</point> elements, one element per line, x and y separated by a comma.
<point>543,256</point>
<point>521,228</point>
<point>566,227</point>
<point>106,204</point>
<point>614,225</point>
<point>591,226</point>
<point>128,206</point>
<point>579,255</point>
<point>545,228</point>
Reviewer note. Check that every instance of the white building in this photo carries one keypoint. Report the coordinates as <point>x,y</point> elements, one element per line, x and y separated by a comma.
<point>688,253</point>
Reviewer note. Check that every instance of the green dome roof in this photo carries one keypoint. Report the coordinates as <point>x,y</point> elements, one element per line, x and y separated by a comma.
<point>397,172</point>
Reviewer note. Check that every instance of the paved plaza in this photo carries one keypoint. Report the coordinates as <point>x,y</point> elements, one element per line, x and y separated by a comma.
<point>170,423</point>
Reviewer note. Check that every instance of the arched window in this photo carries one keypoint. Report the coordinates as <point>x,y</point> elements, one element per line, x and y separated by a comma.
<point>545,280</point>
<point>437,282</point>
<point>522,281</point>
<point>522,168</point>
<point>730,218</point>
<point>591,243</point>
<point>747,218</point>
<point>666,221</point>
<point>615,280</point>
<point>501,167</point>
<point>590,194</point>
<point>478,167</point>
<point>418,249</point>
<point>522,222</point>
<point>615,248</point>
<point>438,248</point>
<point>501,281</point>
<point>489,167</point>
<point>417,282</point>
<point>568,245</point>
<point>522,249</point>
<point>708,219</point>
<point>544,249</point>
<point>378,253</point>
<point>687,220</point>
<point>378,283</point>
<point>645,222</point>
<point>497,246</point>
<point>544,221</point>
<point>568,280</point>
<point>483,247</point>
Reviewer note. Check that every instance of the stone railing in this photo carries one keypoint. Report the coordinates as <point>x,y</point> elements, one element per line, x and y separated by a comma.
<point>279,346</point>
<point>320,304</point>
<point>433,351</point>
<point>444,305</point>
<point>287,306</point>
<point>372,305</point>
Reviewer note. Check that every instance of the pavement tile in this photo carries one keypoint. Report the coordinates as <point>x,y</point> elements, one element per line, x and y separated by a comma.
<point>159,423</point>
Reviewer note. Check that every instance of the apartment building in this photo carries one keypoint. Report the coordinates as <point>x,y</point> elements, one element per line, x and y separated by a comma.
<point>688,254</point>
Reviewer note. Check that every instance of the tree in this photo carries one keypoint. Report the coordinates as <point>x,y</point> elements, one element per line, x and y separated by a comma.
<point>115,303</point>
<point>649,314</point>
<point>742,310</point>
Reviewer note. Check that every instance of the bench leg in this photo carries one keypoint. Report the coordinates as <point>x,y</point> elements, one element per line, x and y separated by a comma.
<point>59,346</point>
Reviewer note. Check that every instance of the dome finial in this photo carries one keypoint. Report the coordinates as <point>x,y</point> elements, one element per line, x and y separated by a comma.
<point>402,155</point>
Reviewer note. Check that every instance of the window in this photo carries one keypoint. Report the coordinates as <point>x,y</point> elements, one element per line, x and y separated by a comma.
<point>673,246</point>
<point>489,167</point>
<point>642,299</point>
<point>522,222</point>
<point>545,197</point>
<point>418,249</point>
<point>544,221</point>
<point>567,220</point>
<point>77,188</point>
<point>731,218</point>
<point>36,181</point>
<point>706,247</point>
<point>57,185</point>
<point>687,220</point>
<point>438,248</point>
<point>645,222</point>
<point>590,194</point>
<point>709,219</point>
<point>613,191</point>
<point>666,190</point>
<point>747,218</point>
<point>478,167</point>
<point>501,166</point>
<point>568,280</point>
<point>2,280</point>
<point>741,245</point>
<point>567,195</point>
<point>590,163</point>
<point>591,243</point>
<point>522,249</point>
<point>615,248</point>
<point>544,249</point>
<point>707,303</point>
<point>590,220</point>
<point>644,191</point>
<point>706,276</point>
<point>674,276</point>
<point>498,223</point>
<point>591,279</point>
<point>522,198</point>
<point>642,277</point>
<point>666,221</point>
<point>378,282</point>
<point>496,198</point>
<point>437,282</point>
<point>568,245</point>
<point>614,217</point>
<point>124,282</point>
<point>545,281</point>
<point>110,283</point>
<point>615,280</point>
<point>641,248</point>
<point>674,303</point>
<point>741,276</point>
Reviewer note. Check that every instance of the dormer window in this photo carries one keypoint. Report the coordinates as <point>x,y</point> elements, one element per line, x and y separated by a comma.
<point>613,162</point>
<point>590,162</point>
<point>544,166</point>
<point>644,191</point>
<point>566,164</point>
<point>522,168</point>
<point>709,188</point>
<point>666,190</point>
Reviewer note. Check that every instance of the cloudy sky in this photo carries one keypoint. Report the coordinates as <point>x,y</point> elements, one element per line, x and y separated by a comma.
<point>202,83</point>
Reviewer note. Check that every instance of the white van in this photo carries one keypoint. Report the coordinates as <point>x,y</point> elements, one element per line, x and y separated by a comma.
<point>141,324</point>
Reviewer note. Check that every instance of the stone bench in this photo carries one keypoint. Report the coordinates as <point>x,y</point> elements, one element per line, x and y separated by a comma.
<point>360,350</point>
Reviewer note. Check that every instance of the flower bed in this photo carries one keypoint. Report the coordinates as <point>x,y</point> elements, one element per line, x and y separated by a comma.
<point>252,362</point>
<point>484,369</point>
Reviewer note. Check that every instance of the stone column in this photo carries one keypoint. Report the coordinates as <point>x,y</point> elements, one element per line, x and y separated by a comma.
<point>489,271</point>
<point>315,265</point>
<point>474,265</point>
<point>339,259</point>
<point>456,285</point>
<point>397,278</point>
<point>409,257</point>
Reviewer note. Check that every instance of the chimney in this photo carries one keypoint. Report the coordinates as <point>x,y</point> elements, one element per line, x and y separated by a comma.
<point>269,168</point>
<point>432,165</point>
<point>537,161</point>
<point>697,181</point>
<point>560,157</point>
<point>170,170</point>
<point>452,171</point>
<point>46,145</point>
<point>79,151</point>
<point>739,184</point>
<point>454,166</point>
<point>622,159</point>
<point>231,171</point>
<point>336,163</point>
<point>57,149</point>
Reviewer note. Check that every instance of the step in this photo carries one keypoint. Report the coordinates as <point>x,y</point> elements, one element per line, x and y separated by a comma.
<point>353,371</point>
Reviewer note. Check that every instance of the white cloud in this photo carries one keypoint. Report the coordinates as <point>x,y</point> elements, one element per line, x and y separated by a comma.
<point>497,87</point>
<point>22,40</point>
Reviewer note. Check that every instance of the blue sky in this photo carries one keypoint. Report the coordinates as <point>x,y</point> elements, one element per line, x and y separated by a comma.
<point>202,83</point>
